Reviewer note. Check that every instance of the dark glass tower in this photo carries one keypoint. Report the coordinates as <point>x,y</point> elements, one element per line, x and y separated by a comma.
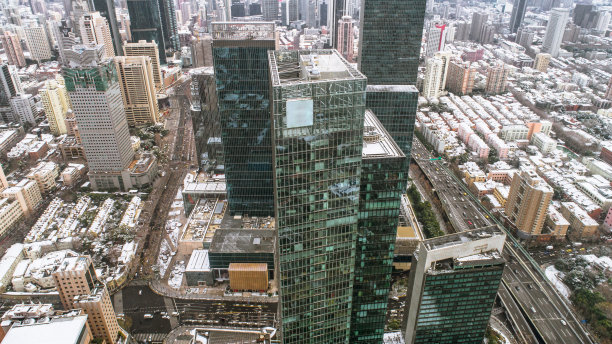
<point>240,56</point>
<point>146,24</point>
<point>107,10</point>
<point>390,44</point>
<point>383,181</point>
<point>518,14</point>
<point>452,287</point>
<point>167,13</point>
<point>318,108</point>
<point>206,122</point>
<point>396,107</point>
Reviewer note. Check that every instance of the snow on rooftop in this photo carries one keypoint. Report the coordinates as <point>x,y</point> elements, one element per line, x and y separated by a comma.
<point>54,331</point>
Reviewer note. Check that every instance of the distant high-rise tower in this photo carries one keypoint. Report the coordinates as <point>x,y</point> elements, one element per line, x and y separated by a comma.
<point>384,170</point>
<point>518,14</point>
<point>384,51</point>
<point>497,79</point>
<point>10,85</point>
<point>12,48</point>
<point>346,38</point>
<point>554,31</point>
<point>243,90</point>
<point>146,24</point>
<point>135,74</point>
<point>95,30</point>
<point>436,37</point>
<point>528,201</point>
<point>107,10</point>
<point>452,287</point>
<point>323,9</point>
<point>38,43</point>
<point>167,14</point>
<point>201,51</point>
<point>206,123</point>
<point>318,111</point>
<point>478,21</point>
<point>433,77</point>
<point>95,96</point>
<point>144,48</point>
<point>269,10</point>
<point>56,104</point>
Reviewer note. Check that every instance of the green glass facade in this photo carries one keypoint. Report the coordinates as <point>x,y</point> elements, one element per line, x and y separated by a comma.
<point>456,305</point>
<point>102,77</point>
<point>390,45</point>
<point>243,92</point>
<point>396,107</point>
<point>383,180</point>
<point>317,168</point>
<point>146,24</point>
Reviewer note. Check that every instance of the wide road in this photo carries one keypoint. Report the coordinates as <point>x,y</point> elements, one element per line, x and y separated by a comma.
<point>539,302</point>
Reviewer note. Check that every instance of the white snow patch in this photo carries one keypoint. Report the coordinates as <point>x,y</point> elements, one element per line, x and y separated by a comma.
<point>176,276</point>
<point>604,262</point>
<point>173,228</point>
<point>164,257</point>
<point>556,277</point>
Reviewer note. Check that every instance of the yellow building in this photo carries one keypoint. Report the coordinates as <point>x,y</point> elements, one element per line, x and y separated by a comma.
<point>581,225</point>
<point>144,48</point>
<point>528,201</point>
<point>27,193</point>
<point>541,62</point>
<point>135,74</point>
<point>101,315</point>
<point>10,214</point>
<point>56,103</point>
<point>44,174</point>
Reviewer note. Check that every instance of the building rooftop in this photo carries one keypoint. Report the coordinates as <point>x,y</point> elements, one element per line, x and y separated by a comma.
<point>243,241</point>
<point>211,335</point>
<point>377,143</point>
<point>198,261</point>
<point>243,31</point>
<point>392,88</point>
<point>303,66</point>
<point>462,238</point>
<point>62,330</point>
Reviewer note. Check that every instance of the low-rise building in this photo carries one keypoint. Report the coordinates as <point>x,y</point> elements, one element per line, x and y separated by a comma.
<point>8,263</point>
<point>11,214</point>
<point>27,193</point>
<point>198,270</point>
<point>41,324</point>
<point>544,143</point>
<point>582,226</point>
<point>73,173</point>
<point>8,139</point>
<point>44,174</point>
<point>555,224</point>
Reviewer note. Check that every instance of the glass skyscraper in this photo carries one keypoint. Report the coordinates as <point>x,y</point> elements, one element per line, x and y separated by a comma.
<point>390,43</point>
<point>452,287</point>
<point>383,181</point>
<point>240,55</point>
<point>318,110</point>
<point>146,24</point>
<point>396,107</point>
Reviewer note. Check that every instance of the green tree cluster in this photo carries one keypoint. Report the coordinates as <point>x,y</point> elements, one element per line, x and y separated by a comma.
<point>424,214</point>
<point>591,304</point>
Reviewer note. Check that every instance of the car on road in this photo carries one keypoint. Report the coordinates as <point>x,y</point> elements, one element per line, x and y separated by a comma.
<point>148,316</point>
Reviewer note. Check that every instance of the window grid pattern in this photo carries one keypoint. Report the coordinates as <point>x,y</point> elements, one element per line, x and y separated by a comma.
<point>317,173</point>
<point>382,184</point>
<point>243,91</point>
<point>456,305</point>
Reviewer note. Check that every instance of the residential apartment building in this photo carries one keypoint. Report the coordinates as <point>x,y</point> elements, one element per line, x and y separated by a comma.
<point>528,202</point>
<point>95,30</point>
<point>38,43</point>
<point>56,104</point>
<point>12,48</point>
<point>582,226</point>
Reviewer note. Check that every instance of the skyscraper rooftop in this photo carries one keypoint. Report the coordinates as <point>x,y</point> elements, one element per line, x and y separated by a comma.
<point>243,30</point>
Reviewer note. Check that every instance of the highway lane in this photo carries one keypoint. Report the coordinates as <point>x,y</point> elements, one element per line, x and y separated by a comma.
<point>552,318</point>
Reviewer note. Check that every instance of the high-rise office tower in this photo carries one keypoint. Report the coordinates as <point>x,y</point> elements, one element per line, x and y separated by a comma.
<point>583,15</point>
<point>12,48</point>
<point>293,12</point>
<point>95,96</point>
<point>56,103</point>
<point>107,10</point>
<point>269,9</point>
<point>603,21</point>
<point>433,78</point>
<point>390,41</point>
<point>38,43</point>
<point>460,77</point>
<point>497,79</point>
<point>396,107</point>
<point>518,14</point>
<point>436,37</point>
<point>78,287</point>
<point>10,85</point>
<point>135,74</point>
<point>478,21</point>
<point>554,31</point>
<point>167,14</point>
<point>144,48</point>
<point>541,62</point>
<point>528,201</point>
<point>346,38</point>
<point>383,181</point>
<point>452,286</point>
<point>240,54</point>
<point>24,108</point>
<point>146,24</point>
<point>323,9</point>
<point>95,30</point>
<point>284,9</point>
<point>317,109</point>
<point>206,123</point>
<point>336,12</point>
<point>201,51</point>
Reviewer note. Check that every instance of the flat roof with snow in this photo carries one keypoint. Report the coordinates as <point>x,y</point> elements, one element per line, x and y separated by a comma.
<point>55,331</point>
